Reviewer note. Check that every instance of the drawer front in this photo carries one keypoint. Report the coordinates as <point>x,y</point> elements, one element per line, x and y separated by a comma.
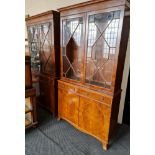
<point>61,85</point>
<point>72,89</point>
<point>93,95</point>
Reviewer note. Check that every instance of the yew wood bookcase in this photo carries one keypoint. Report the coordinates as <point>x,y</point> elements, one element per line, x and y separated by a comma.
<point>44,45</point>
<point>94,38</point>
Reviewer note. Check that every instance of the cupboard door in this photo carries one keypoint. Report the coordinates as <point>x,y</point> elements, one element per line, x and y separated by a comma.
<point>94,118</point>
<point>72,47</point>
<point>44,94</point>
<point>72,102</point>
<point>68,105</point>
<point>62,107</point>
<point>47,93</point>
<point>101,47</point>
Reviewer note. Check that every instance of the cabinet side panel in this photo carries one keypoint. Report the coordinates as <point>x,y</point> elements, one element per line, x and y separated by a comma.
<point>114,115</point>
<point>56,17</point>
<point>122,52</point>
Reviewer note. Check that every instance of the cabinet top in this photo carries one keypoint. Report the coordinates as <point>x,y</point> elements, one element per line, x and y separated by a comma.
<point>47,13</point>
<point>107,3</point>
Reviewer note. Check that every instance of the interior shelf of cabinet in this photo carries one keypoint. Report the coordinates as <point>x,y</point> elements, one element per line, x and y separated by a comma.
<point>28,109</point>
<point>28,119</point>
<point>27,122</point>
<point>28,105</point>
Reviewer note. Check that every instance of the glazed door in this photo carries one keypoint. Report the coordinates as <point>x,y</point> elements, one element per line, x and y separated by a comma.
<point>102,43</point>
<point>94,118</point>
<point>33,39</point>
<point>46,48</point>
<point>68,105</point>
<point>72,46</point>
<point>41,47</point>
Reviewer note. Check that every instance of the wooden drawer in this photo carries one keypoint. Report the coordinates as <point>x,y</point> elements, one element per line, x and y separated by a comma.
<point>93,95</point>
<point>68,88</point>
<point>72,89</point>
<point>61,85</point>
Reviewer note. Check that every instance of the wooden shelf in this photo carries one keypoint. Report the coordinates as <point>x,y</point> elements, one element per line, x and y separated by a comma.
<point>28,105</point>
<point>27,109</point>
<point>27,122</point>
<point>31,125</point>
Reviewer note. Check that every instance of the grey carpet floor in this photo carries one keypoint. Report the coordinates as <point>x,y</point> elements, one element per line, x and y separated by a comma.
<point>53,137</point>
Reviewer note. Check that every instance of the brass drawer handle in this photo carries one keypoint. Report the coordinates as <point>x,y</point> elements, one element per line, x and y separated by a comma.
<point>102,98</point>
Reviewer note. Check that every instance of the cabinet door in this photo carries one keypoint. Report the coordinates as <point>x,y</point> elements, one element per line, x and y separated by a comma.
<point>103,28</point>
<point>72,44</point>
<point>68,106</point>
<point>44,94</point>
<point>94,118</point>
<point>33,41</point>
<point>62,107</point>
<point>41,47</point>
<point>46,48</point>
<point>47,93</point>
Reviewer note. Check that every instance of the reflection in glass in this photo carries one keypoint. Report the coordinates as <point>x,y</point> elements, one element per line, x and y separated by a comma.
<point>72,41</point>
<point>33,38</point>
<point>101,47</point>
<point>40,44</point>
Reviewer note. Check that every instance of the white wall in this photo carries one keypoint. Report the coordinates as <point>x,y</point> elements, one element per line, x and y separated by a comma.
<point>124,83</point>
<point>33,7</point>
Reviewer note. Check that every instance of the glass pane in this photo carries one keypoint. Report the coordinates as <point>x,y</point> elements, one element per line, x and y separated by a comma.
<point>40,41</point>
<point>72,47</point>
<point>33,38</point>
<point>45,33</point>
<point>101,47</point>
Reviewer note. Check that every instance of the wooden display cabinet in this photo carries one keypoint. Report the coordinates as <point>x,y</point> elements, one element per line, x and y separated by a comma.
<point>94,38</point>
<point>44,44</point>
